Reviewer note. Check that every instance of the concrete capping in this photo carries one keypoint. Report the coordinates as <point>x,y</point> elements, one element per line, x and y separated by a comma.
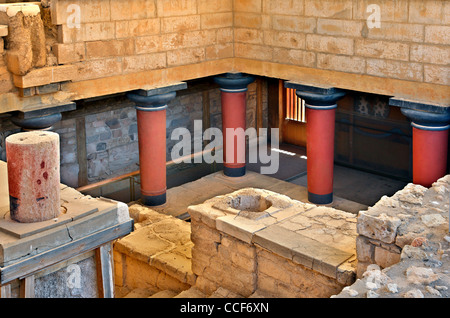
<point>158,90</point>
<point>419,105</point>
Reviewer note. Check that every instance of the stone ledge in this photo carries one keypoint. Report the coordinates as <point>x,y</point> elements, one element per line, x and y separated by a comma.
<point>160,241</point>
<point>83,216</point>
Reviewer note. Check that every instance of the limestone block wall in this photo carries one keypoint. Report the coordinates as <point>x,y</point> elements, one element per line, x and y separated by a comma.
<point>412,216</point>
<point>410,43</point>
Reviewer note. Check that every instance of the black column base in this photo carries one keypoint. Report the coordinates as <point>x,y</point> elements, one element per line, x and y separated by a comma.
<point>234,172</point>
<point>320,198</point>
<point>154,200</point>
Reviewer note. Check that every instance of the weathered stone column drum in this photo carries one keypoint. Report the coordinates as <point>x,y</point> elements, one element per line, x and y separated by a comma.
<point>33,176</point>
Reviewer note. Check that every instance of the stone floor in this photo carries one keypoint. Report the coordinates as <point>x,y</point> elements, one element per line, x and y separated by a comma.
<point>198,191</point>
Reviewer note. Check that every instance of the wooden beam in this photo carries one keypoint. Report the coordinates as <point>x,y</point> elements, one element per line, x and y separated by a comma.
<point>81,151</point>
<point>259,105</point>
<point>5,291</point>
<point>66,251</point>
<point>27,287</point>
<point>206,113</point>
<point>281,108</point>
<point>105,270</point>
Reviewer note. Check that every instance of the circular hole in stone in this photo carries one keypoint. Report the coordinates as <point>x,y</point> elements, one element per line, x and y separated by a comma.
<point>250,203</point>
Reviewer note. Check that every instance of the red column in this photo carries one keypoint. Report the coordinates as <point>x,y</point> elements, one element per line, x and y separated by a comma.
<point>321,104</point>
<point>151,120</point>
<point>320,153</point>
<point>233,88</point>
<point>430,140</point>
<point>233,117</point>
<point>429,155</point>
<point>152,155</point>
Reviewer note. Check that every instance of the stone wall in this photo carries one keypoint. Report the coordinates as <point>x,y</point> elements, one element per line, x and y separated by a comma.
<point>411,42</point>
<point>412,216</point>
<point>334,35</point>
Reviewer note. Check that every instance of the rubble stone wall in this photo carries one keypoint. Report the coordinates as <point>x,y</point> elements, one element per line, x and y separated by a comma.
<point>412,216</point>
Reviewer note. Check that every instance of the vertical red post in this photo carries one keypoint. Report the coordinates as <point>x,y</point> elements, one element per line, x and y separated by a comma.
<point>151,108</point>
<point>321,104</point>
<point>233,87</point>
<point>320,153</point>
<point>430,144</point>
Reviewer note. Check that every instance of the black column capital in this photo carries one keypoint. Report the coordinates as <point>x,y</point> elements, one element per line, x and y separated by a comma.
<point>425,116</point>
<point>156,98</point>
<point>234,82</point>
<point>320,97</point>
<point>41,119</point>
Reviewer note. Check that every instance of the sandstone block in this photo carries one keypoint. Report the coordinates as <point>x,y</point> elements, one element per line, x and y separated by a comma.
<point>381,227</point>
<point>180,24</point>
<point>397,32</point>
<point>185,56</point>
<point>296,57</point>
<point>169,8</point>
<point>217,20</point>
<point>382,49</point>
<point>426,12</point>
<point>219,51</point>
<point>26,38</point>
<point>329,8</point>
<point>69,53</point>
<point>294,7</point>
<point>132,10</point>
<point>385,258</point>
<point>211,6</point>
<point>329,44</point>
<point>293,23</point>
<point>248,5</point>
<point>339,27</point>
<point>350,64</point>
<point>437,74</point>
<point>252,51</point>
<point>395,69</point>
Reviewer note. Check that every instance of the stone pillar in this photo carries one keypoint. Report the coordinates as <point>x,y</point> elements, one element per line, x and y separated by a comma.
<point>233,87</point>
<point>430,126</point>
<point>321,104</point>
<point>151,108</point>
<point>33,175</point>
